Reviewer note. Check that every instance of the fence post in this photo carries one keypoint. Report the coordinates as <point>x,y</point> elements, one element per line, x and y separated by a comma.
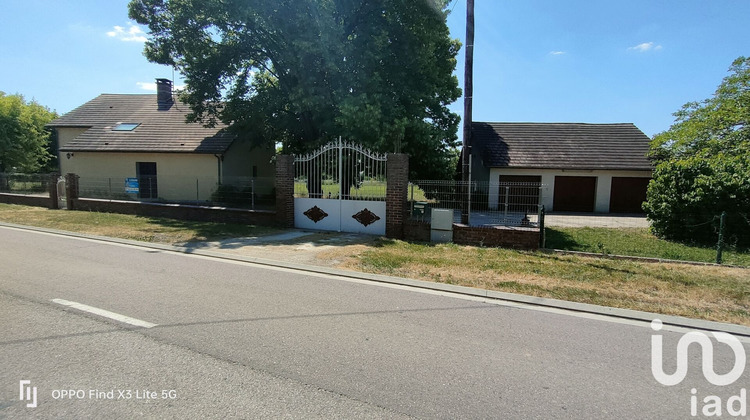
<point>507,202</point>
<point>542,236</point>
<point>71,190</point>
<point>52,188</point>
<point>720,243</point>
<point>252,193</point>
<point>411,207</point>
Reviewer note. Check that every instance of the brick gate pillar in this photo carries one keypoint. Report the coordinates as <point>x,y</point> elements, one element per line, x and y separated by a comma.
<point>397,175</point>
<point>52,189</point>
<point>71,191</point>
<point>285,190</point>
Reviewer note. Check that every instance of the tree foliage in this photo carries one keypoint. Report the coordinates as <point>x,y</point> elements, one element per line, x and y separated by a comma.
<point>703,166</point>
<point>303,72</point>
<point>25,144</point>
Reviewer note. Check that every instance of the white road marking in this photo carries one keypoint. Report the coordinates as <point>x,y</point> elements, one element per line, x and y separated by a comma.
<point>105,313</point>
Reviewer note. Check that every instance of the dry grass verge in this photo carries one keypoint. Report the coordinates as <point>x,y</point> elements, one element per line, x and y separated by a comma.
<point>706,292</point>
<point>138,228</point>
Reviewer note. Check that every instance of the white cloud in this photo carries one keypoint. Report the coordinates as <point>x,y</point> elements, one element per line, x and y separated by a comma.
<point>557,53</point>
<point>646,46</point>
<point>151,86</point>
<point>130,34</point>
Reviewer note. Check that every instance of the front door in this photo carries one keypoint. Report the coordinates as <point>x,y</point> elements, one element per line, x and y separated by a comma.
<point>147,186</point>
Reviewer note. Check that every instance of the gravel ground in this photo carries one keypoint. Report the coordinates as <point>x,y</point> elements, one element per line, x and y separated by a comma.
<point>327,249</point>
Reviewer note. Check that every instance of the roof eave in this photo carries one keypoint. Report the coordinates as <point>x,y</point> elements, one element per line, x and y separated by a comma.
<point>199,152</point>
<point>574,168</point>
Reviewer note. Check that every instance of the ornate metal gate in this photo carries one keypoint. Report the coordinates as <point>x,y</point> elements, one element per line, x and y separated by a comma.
<point>340,187</point>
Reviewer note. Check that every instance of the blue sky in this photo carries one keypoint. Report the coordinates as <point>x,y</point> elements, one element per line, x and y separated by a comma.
<point>591,61</point>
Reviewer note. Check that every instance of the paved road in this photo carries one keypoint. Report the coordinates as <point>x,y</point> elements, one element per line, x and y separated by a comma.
<point>238,340</point>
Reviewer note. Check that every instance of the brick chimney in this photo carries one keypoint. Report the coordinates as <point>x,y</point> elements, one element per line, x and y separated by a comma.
<point>164,92</point>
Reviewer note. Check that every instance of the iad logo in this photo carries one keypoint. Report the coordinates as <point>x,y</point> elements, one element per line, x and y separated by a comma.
<point>707,359</point>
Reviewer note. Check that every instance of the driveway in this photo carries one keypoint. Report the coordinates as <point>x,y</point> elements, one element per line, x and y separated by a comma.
<point>596,220</point>
<point>327,249</point>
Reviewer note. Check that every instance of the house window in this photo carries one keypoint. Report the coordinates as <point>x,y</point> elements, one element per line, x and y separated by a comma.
<point>125,127</point>
<point>147,186</point>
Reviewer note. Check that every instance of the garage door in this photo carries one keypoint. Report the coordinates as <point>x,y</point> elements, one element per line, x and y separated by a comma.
<point>574,193</point>
<point>522,192</point>
<point>628,194</point>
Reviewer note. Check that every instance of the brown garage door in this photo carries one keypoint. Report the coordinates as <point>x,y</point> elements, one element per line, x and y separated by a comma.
<point>628,194</point>
<point>574,193</point>
<point>522,192</point>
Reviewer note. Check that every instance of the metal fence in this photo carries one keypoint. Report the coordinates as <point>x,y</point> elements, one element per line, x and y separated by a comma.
<point>706,238</point>
<point>25,184</point>
<point>485,203</point>
<point>236,192</point>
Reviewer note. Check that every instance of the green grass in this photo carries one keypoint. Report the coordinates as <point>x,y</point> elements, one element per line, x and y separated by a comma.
<point>374,189</point>
<point>147,229</point>
<point>368,189</point>
<point>637,242</point>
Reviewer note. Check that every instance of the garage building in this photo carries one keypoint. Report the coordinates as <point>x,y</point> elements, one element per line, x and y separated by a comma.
<point>585,168</point>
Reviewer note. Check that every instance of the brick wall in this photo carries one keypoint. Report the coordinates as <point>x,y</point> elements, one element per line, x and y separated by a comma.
<point>506,237</point>
<point>285,190</point>
<point>27,200</point>
<point>416,231</point>
<point>397,168</point>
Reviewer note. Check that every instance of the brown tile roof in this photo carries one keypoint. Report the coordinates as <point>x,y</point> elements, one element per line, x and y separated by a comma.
<point>561,146</point>
<point>162,128</point>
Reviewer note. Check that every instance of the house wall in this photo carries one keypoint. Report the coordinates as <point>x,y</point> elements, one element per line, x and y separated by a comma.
<point>65,135</point>
<point>240,159</point>
<point>180,176</point>
<point>242,156</point>
<point>603,183</point>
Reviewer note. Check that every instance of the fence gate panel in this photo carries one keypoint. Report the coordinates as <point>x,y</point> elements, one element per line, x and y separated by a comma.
<point>340,187</point>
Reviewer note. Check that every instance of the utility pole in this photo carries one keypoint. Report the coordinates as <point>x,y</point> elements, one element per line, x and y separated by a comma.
<point>468,98</point>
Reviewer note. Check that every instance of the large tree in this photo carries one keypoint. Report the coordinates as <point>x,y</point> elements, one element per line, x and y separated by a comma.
<point>302,72</point>
<point>25,144</point>
<point>703,166</point>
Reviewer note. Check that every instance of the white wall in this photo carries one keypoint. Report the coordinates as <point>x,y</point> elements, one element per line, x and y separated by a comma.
<point>180,176</point>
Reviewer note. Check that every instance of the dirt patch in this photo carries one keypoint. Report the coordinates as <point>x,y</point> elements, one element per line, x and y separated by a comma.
<point>326,249</point>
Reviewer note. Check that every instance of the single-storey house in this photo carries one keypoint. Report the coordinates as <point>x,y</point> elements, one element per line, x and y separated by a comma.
<point>115,139</point>
<point>599,168</point>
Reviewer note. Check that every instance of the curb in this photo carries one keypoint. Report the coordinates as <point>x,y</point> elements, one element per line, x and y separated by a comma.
<point>628,314</point>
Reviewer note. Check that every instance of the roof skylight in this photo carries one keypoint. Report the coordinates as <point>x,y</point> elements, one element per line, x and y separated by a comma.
<point>125,127</point>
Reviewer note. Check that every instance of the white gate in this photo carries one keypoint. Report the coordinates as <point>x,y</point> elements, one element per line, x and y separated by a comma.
<point>340,187</point>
